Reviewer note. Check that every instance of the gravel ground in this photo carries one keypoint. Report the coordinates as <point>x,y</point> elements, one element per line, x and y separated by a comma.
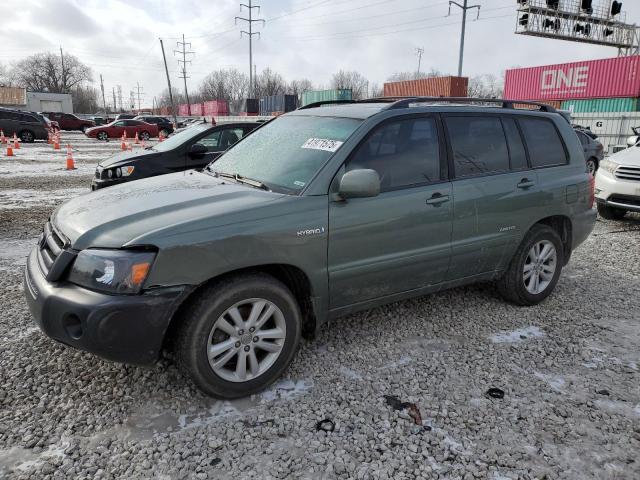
<point>405,386</point>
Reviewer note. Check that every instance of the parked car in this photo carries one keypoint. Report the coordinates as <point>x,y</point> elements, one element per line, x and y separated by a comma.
<point>192,148</point>
<point>53,125</point>
<point>618,184</point>
<point>68,121</point>
<point>125,116</point>
<point>319,213</point>
<point>26,125</point>
<point>164,125</point>
<point>115,129</point>
<point>593,150</point>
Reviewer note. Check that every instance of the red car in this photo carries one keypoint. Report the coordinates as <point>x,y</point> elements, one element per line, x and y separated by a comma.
<point>68,121</point>
<point>115,130</point>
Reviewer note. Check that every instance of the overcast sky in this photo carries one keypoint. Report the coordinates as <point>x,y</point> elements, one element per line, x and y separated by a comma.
<point>301,38</point>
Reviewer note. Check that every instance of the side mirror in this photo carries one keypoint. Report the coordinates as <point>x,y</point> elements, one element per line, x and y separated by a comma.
<point>197,150</point>
<point>359,183</point>
<point>632,140</point>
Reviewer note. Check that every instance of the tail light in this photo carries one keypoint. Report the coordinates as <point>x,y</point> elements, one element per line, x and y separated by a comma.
<point>592,193</point>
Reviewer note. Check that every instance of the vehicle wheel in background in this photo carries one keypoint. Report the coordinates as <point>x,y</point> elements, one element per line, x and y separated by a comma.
<point>535,268</point>
<point>592,166</point>
<point>144,136</point>
<point>611,213</point>
<point>26,136</point>
<point>239,335</point>
<point>164,132</point>
<point>102,136</point>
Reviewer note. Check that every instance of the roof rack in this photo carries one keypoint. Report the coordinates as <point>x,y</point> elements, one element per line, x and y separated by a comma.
<point>325,102</point>
<point>406,101</point>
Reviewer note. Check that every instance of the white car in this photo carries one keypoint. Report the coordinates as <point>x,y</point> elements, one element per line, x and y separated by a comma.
<point>617,186</point>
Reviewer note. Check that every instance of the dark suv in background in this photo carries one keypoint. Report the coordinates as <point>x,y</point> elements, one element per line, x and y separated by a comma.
<point>164,125</point>
<point>593,149</point>
<point>27,126</point>
<point>321,212</point>
<point>68,121</point>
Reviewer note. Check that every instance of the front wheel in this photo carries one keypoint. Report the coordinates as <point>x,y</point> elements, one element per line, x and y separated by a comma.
<point>535,268</point>
<point>104,136</point>
<point>26,136</point>
<point>144,136</point>
<point>164,132</point>
<point>592,166</point>
<point>239,336</point>
<point>611,213</point>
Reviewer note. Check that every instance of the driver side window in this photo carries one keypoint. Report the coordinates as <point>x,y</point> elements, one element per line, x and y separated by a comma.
<point>211,141</point>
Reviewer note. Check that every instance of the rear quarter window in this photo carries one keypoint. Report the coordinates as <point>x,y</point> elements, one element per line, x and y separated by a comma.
<point>543,142</point>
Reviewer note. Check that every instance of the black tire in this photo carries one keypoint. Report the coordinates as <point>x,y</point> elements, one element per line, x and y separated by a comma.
<point>165,132</point>
<point>512,286</point>
<point>145,136</point>
<point>104,136</point>
<point>26,136</point>
<point>197,321</point>
<point>611,213</point>
<point>592,165</point>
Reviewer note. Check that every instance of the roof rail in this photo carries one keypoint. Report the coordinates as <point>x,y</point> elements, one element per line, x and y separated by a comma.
<point>406,101</point>
<point>325,102</point>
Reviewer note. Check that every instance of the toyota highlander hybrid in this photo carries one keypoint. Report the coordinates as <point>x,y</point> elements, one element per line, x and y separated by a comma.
<point>322,212</point>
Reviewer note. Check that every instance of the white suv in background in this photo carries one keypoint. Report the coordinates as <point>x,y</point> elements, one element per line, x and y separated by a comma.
<point>618,184</point>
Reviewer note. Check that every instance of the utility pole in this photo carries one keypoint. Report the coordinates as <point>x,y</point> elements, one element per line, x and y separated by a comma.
<point>104,102</point>
<point>119,89</point>
<point>138,88</point>
<point>173,110</point>
<point>63,87</point>
<point>250,21</point>
<point>184,62</point>
<point>115,105</point>
<point>464,7</point>
<point>419,53</point>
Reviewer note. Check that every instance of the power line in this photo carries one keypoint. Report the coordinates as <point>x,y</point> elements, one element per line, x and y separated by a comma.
<point>250,21</point>
<point>184,62</point>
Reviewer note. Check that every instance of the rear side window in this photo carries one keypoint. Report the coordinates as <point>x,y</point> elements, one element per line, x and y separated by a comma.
<point>404,153</point>
<point>543,142</point>
<point>517,153</point>
<point>479,145</point>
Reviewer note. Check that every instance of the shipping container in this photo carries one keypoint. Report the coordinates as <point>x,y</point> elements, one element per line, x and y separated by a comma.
<point>196,109</point>
<point>183,110</point>
<point>215,107</point>
<point>428,87</point>
<point>313,96</point>
<point>278,104</point>
<point>245,105</point>
<point>606,78</point>
<point>602,105</point>
<point>13,96</point>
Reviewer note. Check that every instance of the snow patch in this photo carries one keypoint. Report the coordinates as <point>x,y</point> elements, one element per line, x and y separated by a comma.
<point>517,336</point>
<point>554,381</point>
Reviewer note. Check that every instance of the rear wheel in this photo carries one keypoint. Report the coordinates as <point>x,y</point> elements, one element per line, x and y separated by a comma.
<point>592,166</point>
<point>26,136</point>
<point>239,336</point>
<point>144,136</point>
<point>611,213</point>
<point>535,268</point>
<point>104,136</point>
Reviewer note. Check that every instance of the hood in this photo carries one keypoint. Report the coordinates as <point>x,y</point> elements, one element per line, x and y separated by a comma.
<point>126,157</point>
<point>136,213</point>
<point>628,156</point>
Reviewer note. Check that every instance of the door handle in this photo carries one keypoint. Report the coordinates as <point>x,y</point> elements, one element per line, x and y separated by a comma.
<point>437,198</point>
<point>525,183</point>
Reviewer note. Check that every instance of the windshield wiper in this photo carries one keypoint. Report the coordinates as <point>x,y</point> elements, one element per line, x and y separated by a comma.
<point>240,179</point>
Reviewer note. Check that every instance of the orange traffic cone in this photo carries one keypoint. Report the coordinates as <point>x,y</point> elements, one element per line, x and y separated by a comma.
<point>160,136</point>
<point>137,141</point>
<point>130,146</point>
<point>3,139</point>
<point>56,142</point>
<point>144,145</point>
<point>49,138</point>
<point>123,144</point>
<point>16,145</point>
<point>70,163</point>
<point>9,150</point>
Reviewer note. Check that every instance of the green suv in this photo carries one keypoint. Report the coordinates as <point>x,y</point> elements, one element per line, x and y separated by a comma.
<point>322,212</point>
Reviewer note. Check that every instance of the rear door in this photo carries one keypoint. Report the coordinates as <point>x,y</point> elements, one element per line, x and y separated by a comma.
<point>118,128</point>
<point>398,241</point>
<point>495,191</point>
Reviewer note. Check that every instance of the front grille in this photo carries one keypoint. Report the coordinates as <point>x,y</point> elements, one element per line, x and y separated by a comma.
<point>53,255</point>
<point>628,172</point>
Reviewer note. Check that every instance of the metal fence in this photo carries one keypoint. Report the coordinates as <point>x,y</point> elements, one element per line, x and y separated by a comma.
<point>612,128</point>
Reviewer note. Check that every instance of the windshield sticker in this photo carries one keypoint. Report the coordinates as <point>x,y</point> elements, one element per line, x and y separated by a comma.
<point>298,183</point>
<point>322,144</point>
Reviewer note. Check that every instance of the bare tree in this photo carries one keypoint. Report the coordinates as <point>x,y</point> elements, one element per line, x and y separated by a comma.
<point>269,83</point>
<point>86,99</point>
<point>404,76</point>
<point>351,80</point>
<point>298,87</point>
<point>226,85</point>
<point>5,79</point>
<point>485,86</point>
<point>376,90</point>
<point>44,72</point>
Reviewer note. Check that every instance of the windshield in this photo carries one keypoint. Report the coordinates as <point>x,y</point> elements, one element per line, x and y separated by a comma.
<point>179,138</point>
<point>287,152</point>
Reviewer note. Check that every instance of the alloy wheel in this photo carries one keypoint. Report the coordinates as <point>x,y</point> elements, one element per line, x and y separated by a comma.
<point>26,137</point>
<point>591,167</point>
<point>539,267</point>
<point>102,136</point>
<point>246,340</point>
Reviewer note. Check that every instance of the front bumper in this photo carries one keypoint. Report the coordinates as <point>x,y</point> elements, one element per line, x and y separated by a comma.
<point>616,192</point>
<point>97,183</point>
<point>121,328</point>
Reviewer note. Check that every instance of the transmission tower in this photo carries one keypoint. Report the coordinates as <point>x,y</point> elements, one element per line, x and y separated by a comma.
<point>419,53</point>
<point>250,21</point>
<point>119,90</point>
<point>464,7</point>
<point>184,52</point>
<point>139,93</point>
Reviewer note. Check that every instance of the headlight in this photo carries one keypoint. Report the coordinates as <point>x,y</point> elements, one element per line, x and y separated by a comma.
<point>112,271</point>
<point>609,165</point>
<point>125,171</point>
